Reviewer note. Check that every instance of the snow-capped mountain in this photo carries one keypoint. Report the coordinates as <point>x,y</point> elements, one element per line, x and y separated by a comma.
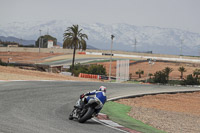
<point>148,38</point>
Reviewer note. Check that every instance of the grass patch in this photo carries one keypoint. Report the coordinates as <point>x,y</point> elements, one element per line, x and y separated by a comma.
<point>98,61</point>
<point>133,81</point>
<point>118,113</point>
<point>174,82</point>
<point>107,60</point>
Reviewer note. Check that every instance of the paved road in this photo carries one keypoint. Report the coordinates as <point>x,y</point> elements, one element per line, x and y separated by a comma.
<point>44,106</point>
<point>69,61</point>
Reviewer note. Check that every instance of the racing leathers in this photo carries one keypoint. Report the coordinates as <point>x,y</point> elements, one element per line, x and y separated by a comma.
<point>93,95</point>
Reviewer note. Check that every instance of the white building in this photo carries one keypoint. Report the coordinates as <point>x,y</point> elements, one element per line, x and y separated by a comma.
<point>50,44</point>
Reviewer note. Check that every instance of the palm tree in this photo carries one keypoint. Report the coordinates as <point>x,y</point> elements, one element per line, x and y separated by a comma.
<point>196,72</point>
<point>182,69</point>
<point>73,38</point>
<point>139,72</point>
<point>150,74</point>
<point>130,76</point>
<point>167,71</point>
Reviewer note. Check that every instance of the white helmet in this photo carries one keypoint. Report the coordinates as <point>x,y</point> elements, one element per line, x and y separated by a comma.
<point>102,88</point>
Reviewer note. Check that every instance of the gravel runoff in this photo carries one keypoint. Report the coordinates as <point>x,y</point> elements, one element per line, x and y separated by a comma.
<point>170,122</point>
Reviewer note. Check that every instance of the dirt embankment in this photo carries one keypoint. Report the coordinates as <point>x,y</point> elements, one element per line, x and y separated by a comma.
<point>32,57</point>
<point>15,73</point>
<point>173,113</point>
<point>158,66</point>
<point>25,57</point>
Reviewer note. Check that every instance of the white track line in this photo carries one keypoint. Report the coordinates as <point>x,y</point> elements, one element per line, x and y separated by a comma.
<point>110,126</point>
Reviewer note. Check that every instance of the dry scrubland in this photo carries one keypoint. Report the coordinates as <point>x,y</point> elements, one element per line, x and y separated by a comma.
<point>175,74</point>
<point>26,57</point>
<point>14,73</point>
<point>69,51</point>
<point>173,113</point>
<point>32,57</point>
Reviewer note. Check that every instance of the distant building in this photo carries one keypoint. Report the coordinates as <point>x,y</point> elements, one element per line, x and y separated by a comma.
<point>57,46</point>
<point>13,45</point>
<point>46,41</point>
<point>8,44</point>
<point>50,44</point>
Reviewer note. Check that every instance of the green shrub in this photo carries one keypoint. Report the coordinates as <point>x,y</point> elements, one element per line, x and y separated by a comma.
<point>139,72</point>
<point>174,82</point>
<point>190,80</point>
<point>167,71</point>
<point>160,77</point>
<point>88,69</point>
<point>150,80</point>
<point>97,69</point>
<point>78,68</point>
<point>1,62</point>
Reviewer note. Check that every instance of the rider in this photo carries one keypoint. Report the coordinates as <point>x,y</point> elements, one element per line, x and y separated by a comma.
<point>98,95</point>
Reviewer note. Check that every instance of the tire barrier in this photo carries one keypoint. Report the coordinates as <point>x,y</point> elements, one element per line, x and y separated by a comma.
<point>81,52</point>
<point>92,76</point>
<point>108,54</point>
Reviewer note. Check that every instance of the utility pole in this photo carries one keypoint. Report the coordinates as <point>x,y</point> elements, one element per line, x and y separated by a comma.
<point>199,51</point>
<point>112,37</point>
<point>181,48</point>
<point>39,40</point>
<point>21,41</point>
<point>135,45</point>
<point>151,62</point>
<point>48,31</point>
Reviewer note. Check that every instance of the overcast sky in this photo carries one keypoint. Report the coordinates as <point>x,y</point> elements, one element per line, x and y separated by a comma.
<point>182,14</point>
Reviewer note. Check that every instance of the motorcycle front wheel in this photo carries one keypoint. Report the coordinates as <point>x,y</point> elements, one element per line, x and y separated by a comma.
<point>86,116</point>
<point>71,115</point>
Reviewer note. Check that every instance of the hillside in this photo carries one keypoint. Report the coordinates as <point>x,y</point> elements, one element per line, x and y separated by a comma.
<point>30,42</point>
<point>148,38</point>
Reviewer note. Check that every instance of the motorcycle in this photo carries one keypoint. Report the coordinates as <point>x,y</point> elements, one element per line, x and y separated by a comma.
<point>84,110</point>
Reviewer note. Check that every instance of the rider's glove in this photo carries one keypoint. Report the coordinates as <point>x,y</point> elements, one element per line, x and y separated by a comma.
<point>82,96</point>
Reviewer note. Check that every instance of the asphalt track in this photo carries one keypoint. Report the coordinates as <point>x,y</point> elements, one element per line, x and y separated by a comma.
<point>69,61</point>
<point>44,106</point>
